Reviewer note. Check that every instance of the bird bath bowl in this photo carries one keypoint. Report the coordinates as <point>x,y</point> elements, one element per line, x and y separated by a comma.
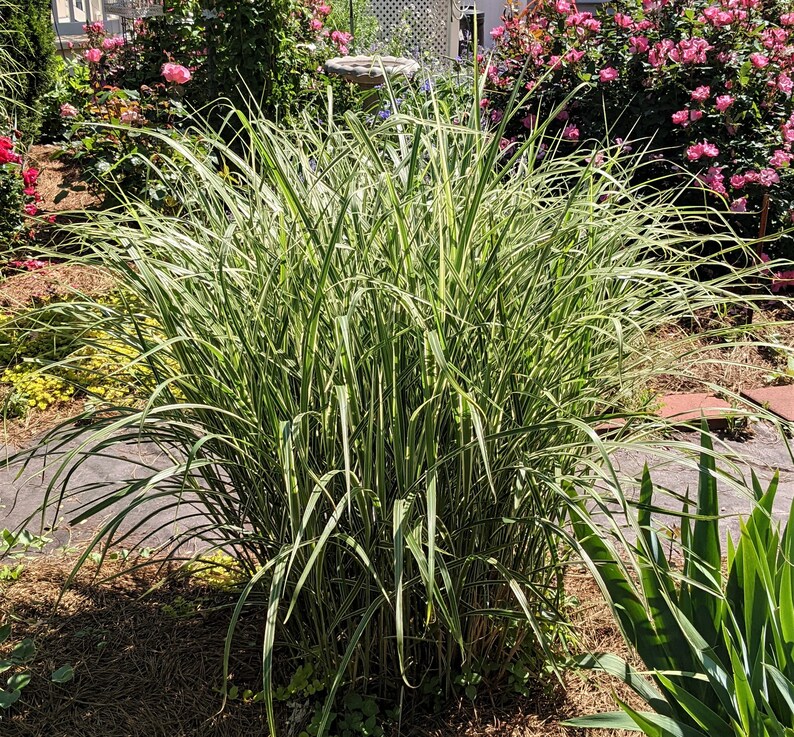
<point>370,71</point>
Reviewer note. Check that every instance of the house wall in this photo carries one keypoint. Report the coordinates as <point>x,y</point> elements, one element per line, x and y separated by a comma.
<point>493,11</point>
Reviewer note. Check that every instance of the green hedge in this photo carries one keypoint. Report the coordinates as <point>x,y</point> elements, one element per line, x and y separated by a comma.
<point>28,24</point>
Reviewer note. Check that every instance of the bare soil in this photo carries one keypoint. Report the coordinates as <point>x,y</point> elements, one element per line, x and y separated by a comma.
<point>140,671</point>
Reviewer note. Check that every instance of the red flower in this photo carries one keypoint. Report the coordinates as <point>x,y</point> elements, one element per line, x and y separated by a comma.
<point>30,177</point>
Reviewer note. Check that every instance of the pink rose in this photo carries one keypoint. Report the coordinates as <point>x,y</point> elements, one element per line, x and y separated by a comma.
<point>787,19</point>
<point>68,111</point>
<point>497,32</point>
<point>785,84</point>
<point>316,24</point>
<point>701,94</point>
<point>571,133</point>
<point>661,52</point>
<point>562,6</point>
<point>30,177</point>
<point>739,205</point>
<point>638,44</point>
<point>699,150</point>
<point>176,73</point>
<point>93,56</point>
<point>782,279</point>
<point>759,61</point>
<point>780,159</point>
<point>695,115</point>
<point>737,181</point>
<point>108,44</point>
<point>723,102</point>
<point>623,21</point>
<point>768,177</point>
<point>574,55</point>
<point>608,74</point>
<point>691,51</point>
<point>681,117</point>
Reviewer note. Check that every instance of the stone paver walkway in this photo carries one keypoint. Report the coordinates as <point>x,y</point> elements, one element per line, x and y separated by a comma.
<point>20,496</point>
<point>22,492</point>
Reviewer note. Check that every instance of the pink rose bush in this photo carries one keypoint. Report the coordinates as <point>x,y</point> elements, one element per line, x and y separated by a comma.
<point>707,83</point>
<point>19,196</point>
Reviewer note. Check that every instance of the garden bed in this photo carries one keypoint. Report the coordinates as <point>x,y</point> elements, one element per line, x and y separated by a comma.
<point>760,360</point>
<point>148,662</point>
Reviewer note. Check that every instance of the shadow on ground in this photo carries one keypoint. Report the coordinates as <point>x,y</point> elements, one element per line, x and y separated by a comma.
<point>144,666</point>
<point>148,663</point>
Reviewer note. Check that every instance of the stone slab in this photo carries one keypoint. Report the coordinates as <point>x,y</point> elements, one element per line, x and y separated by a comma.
<point>686,409</point>
<point>777,399</point>
<point>611,426</point>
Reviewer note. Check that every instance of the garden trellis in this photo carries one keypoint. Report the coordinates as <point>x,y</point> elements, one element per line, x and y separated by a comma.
<point>131,10</point>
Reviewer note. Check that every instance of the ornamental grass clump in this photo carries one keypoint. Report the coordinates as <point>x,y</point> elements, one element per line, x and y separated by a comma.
<point>380,354</point>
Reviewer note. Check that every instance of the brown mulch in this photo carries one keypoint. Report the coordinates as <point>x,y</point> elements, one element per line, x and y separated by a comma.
<point>142,672</point>
<point>20,432</point>
<point>581,692</point>
<point>56,281</point>
<point>736,367</point>
<point>139,671</point>
<point>59,182</point>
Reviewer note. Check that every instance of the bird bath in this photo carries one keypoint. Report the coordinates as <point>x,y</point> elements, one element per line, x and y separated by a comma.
<point>370,71</point>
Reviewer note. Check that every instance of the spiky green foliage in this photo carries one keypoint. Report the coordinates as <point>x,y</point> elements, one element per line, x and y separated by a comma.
<point>376,356</point>
<point>720,646</point>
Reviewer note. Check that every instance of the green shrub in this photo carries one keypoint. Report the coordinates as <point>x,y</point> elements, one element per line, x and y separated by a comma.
<point>378,356</point>
<point>262,49</point>
<point>709,82</point>
<point>32,49</point>
<point>364,26</point>
<point>12,73</point>
<point>720,646</point>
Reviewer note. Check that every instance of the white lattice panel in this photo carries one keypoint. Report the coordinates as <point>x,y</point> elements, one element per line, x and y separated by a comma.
<point>428,21</point>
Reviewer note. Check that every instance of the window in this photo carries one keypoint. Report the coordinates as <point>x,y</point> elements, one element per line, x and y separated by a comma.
<point>467,29</point>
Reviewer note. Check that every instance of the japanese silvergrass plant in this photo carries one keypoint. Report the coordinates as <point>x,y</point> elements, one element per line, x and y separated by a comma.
<point>718,644</point>
<point>377,355</point>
